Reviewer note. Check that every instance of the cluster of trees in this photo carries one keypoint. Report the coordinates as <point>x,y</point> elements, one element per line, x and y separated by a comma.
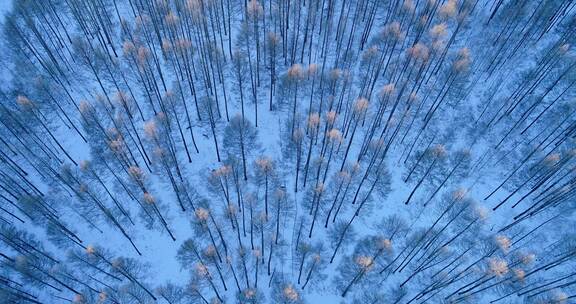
<point>377,151</point>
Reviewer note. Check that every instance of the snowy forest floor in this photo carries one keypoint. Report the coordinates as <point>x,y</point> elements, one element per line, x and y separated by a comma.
<point>435,139</point>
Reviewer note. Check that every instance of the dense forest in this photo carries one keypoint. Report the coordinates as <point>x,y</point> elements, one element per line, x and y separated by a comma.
<point>288,151</point>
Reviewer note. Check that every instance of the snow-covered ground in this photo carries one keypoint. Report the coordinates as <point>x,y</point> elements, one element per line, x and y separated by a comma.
<point>422,131</point>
